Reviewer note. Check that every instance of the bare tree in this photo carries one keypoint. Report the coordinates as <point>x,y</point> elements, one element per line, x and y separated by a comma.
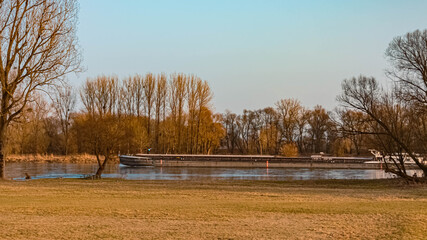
<point>149,95</point>
<point>178,93</point>
<point>138,89</point>
<point>408,56</point>
<point>101,125</point>
<point>269,133</point>
<point>319,121</point>
<point>302,129</point>
<point>38,47</point>
<point>289,111</point>
<point>204,96</point>
<point>128,96</point>
<point>353,125</point>
<point>394,123</point>
<point>64,103</point>
<point>160,102</point>
<point>192,97</point>
<point>399,115</point>
<point>231,130</point>
<point>34,138</point>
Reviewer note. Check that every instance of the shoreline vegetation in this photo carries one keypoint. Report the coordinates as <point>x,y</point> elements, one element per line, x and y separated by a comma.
<point>52,158</point>
<point>78,158</point>
<point>122,209</point>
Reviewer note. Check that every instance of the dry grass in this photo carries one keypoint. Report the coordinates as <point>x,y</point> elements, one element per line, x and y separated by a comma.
<point>119,209</point>
<point>43,158</point>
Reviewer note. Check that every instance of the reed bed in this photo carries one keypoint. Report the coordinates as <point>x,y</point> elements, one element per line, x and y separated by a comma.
<point>50,158</point>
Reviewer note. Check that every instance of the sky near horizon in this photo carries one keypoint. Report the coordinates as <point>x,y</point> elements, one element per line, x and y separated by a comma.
<point>252,53</point>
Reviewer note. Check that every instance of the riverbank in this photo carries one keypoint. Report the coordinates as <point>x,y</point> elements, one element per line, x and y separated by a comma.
<point>120,209</point>
<point>50,158</point>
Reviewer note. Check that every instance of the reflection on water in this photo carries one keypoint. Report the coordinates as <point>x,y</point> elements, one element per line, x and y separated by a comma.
<point>72,170</point>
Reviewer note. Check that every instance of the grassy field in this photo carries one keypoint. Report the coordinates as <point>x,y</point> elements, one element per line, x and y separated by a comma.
<point>120,209</point>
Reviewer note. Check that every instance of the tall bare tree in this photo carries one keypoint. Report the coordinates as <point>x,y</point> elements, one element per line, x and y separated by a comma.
<point>38,46</point>
<point>318,122</point>
<point>138,89</point>
<point>178,93</point>
<point>269,134</point>
<point>192,97</point>
<point>64,103</point>
<point>408,56</point>
<point>204,96</point>
<point>160,102</point>
<point>289,111</point>
<point>230,125</point>
<point>149,94</point>
<point>128,96</point>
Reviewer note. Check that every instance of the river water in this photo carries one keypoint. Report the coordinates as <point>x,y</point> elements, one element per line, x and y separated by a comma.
<point>71,170</point>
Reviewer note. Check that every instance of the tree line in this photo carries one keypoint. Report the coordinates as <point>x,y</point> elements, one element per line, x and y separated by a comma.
<point>159,113</point>
<point>288,129</point>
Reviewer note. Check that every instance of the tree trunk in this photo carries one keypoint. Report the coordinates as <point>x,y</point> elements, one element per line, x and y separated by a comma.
<point>99,172</point>
<point>2,145</point>
<point>66,139</point>
<point>2,160</point>
<point>156,137</point>
<point>101,167</point>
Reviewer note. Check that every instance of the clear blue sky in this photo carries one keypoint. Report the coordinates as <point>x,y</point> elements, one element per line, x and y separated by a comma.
<point>252,53</point>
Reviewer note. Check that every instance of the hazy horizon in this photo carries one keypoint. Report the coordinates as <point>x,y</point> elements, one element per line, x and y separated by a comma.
<point>252,53</point>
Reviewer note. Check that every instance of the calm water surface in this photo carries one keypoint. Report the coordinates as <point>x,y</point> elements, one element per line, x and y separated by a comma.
<point>71,170</point>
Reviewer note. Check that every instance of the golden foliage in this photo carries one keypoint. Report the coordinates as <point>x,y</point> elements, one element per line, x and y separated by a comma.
<point>342,147</point>
<point>289,150</point>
